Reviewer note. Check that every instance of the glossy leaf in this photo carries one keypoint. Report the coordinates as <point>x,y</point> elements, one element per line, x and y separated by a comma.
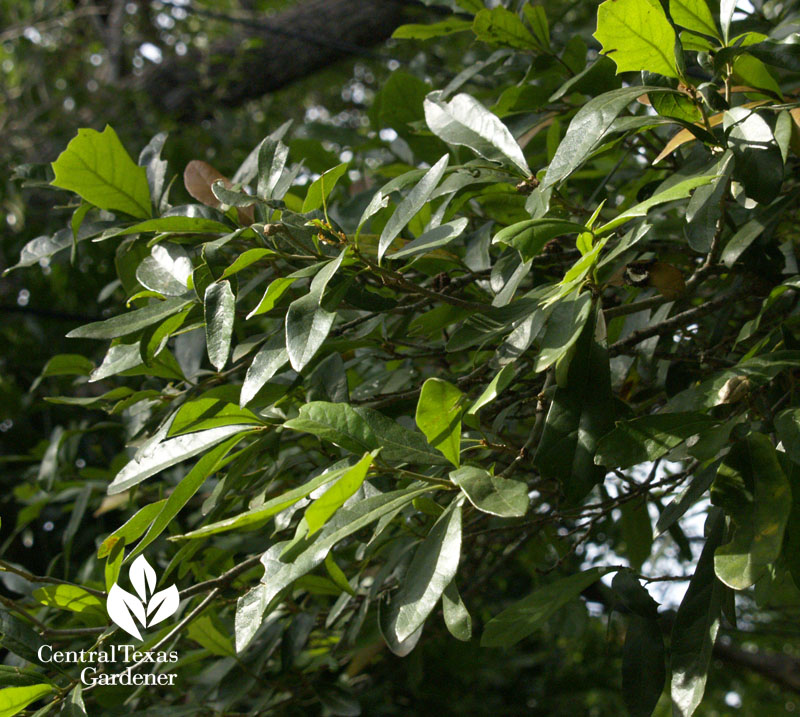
<point>432,569</point>
<point>320,188</point>
<point>270,359</point>
<point>413,202</point>
<point>694,15</point>
<point>220,310</point>
<point>130,322</point>
<point>15,699</point>
<point>167,453</point>
<point>464,121</point>
<point>318,513</point>
<point>456,617</point>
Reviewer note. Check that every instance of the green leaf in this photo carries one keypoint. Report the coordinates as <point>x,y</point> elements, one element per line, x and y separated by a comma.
<point>211,410</point>
<point>526,616</point>
<point>530,236</point>
<point>69,597</point>
<point>307,323</point>
<point>492,494</point>
<point>270,359</point>
<point>413,202</point>
<point>15,699</point>
<point>275,290</point>
<point>321,188</point>
<point>589,127</point>
<point>649,437</point>
<point>97,168</point>
<point>694,15</point>
<point>537,19</point>
<point>318,513</point>
<point>456,617</point>
<point>465,121</point>
<point>17,637</point>
<point>432,569</point>
<point>499,26</point>
<point>753,490</point>
<point>156,457</point>
<point>166,270</point>
<point>172,225</point>
<point>183,493</point>
<point>787,426</point>
<point>496,386</point>
<point>220,311</point>
<point>358,429</point>
<point>131,322</point>
<point>677,191</point>
<point>438,416</point>
<point>267,510</point>
<point>637,531</point>
<point>132,528</point>
<point>251,256</point>
<point>206,634</point>
<point>446,27</point>
<point>564,325</point>
<point>581,412</point>
<point>696,624</point>
<point>279,574</point>
<point>432,239</point>
<point>637,36</point>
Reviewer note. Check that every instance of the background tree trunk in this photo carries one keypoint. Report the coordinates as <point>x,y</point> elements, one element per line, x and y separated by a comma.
<point>290,45</point>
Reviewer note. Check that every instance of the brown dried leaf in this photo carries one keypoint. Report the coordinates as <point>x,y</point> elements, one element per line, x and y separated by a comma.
<point>198,178</point>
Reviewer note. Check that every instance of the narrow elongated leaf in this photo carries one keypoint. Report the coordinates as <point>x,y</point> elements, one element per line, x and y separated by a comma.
<point>752,488</point>
<point>523,618</point>
<point>456,617</point>
<point>97,168</point>
<point>530,236</point>
<point>251,256</point>
<point>492,494</point>
<point>19,638</point>
<point>496,386</point>
<point>220,311</point>
<point>677,191</point>
<point>438,416</point>
<point>15,699</point>
<point>320,188</point>
<point>587,129</point>
<point>465,121</point>
<point>334,497</point>
<point>271,357</point>
<point>359,430</point>
<point>167,453</point>
<point>432,569</point>
<point>696,624</point>
<point>184,491</point>
<point>436,29</point>
<point>649,437</point>
<point>580,414</point>
<point>267,510</point>
<point>132,528</point>
<point>409,207</point>
<point>274,291</point>
<point>279,574</point>
<point>433,239</point>
<point>637,36</point>
<point>69,597</point>
<point>563,328</point>
<point>307,323</point>
<point>131,322</point>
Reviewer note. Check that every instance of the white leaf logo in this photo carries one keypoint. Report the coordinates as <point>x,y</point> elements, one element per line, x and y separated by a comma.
<point>149,608</point>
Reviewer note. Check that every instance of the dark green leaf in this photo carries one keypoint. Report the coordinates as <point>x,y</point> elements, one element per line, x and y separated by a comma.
<point>220,311</point>
<point>131,322</point>
<point>492,494</point>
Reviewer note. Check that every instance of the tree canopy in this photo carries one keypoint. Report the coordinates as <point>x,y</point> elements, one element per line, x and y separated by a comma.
<point>464,383</point>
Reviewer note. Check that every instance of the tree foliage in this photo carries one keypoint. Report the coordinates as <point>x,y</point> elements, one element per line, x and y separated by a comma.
<point>504,358</point>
